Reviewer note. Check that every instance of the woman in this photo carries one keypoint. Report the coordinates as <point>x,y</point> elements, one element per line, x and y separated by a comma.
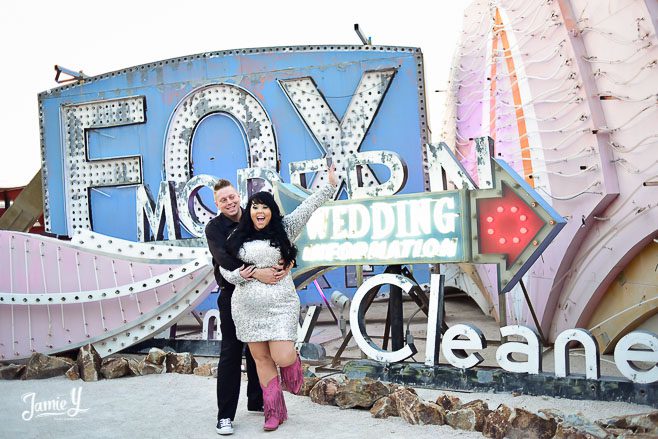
<point>266,316</point>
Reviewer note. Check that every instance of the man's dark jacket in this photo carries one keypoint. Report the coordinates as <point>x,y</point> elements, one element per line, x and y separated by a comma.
<point>217,231</point>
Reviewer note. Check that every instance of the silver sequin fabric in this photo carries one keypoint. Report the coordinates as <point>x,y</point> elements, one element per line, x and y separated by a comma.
<point>263,312</point>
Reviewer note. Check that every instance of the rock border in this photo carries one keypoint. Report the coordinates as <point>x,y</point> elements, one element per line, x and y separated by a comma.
<point>384,400</point>
<point>89,366</point>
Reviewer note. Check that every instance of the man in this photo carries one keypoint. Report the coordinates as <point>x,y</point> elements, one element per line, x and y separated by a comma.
<point>218,229</point>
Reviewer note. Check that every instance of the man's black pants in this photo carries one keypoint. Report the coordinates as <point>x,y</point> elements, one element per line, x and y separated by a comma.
<point>230,364</point>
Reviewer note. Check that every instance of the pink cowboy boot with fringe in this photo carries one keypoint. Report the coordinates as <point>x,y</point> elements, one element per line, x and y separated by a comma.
<point>292,377</point>
<point>274,405</point>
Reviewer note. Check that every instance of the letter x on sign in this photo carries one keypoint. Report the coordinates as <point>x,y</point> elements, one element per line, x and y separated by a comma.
<point>339,139</point>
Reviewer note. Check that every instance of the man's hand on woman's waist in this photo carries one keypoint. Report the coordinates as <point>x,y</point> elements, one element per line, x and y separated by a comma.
<point>271,275</point>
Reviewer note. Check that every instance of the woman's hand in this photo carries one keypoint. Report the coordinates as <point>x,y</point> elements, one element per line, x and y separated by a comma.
<point>247,271</point>
<point>331,175</point>
<point>268,275</point>
<point>285,270</point>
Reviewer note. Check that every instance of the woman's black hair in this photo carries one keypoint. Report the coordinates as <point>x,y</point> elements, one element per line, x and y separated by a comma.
<point>274,231</point>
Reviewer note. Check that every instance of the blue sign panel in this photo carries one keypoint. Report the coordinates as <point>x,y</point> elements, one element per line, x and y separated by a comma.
<point>131,153</point>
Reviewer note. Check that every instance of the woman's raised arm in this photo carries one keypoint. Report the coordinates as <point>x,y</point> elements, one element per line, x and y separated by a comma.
<point>295,221</point>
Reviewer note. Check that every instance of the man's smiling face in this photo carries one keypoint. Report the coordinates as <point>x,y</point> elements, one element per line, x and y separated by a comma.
<point>227,201</point>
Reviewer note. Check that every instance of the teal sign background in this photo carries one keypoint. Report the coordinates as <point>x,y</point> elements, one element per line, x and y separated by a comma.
<point>420,231</point>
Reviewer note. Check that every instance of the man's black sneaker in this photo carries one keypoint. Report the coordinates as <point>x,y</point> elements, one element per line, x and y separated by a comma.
<point>224,426</point>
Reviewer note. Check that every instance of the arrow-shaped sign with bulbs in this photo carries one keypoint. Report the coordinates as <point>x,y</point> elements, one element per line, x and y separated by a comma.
<point>509,225</point>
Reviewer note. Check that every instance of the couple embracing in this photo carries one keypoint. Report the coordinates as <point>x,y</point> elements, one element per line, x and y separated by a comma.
<point>253,253</point>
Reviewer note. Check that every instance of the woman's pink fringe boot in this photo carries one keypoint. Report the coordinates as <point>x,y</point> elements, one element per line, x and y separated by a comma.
<point>274,405</point>
<point>292,377</point>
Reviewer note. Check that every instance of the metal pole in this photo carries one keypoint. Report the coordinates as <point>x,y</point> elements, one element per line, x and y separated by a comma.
<point>417,294</point>
<point>502,309</point>
<point>359,275</point>
<point>395,310</point>
<point>365,41</point>
<point>532,311</point>
<point>387,328</point>
<point>324,299</point>
<point>440,316</point>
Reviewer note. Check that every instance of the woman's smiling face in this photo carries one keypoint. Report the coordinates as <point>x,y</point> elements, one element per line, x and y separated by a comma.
<point>260,215</point>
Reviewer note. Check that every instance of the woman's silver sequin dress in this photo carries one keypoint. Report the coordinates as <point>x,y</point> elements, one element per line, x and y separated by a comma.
<point>263,312</point>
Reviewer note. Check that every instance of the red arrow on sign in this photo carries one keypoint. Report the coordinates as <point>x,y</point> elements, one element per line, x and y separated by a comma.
<point>506,225</point>
<point>514,225</point>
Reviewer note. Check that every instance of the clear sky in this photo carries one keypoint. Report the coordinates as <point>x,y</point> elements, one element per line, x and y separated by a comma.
<point>102,36</point>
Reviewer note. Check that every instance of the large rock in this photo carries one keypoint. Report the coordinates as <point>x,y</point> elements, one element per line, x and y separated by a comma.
<point>638,423</point>
<point>12,371</point>
<point>205,370</point>
<point>89,363</point>
<point>384,407</point>
<point>115,368</point>
<point>324,391</point>
<point>471,416</point>
<point>309,383</point>
<point>476,404</point>
<point>518,424</point>
<point>527,425</point>
<point>73,373</point>
<point>312,352</point>
<point>577,427</point>
<point>565,431</point>
<point>146,368</point>
<point>134,366</point>
<point>405,401</point>
<point>429,413</point>
<point>360,393</point>
<point>497,422</point>
<point>181,363</point>
<point>463,419</point>
<point>449,402</point>
<point>416,411</point>
<point>156,356</point>
<point>41,366</point>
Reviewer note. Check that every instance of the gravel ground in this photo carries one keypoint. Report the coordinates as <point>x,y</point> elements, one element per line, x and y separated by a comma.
<point>173,406</point>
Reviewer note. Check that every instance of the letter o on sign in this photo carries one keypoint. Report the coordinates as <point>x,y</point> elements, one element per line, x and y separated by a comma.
<point>358,324</point>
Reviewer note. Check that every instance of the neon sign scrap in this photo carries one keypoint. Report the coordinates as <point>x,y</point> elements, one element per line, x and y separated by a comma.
<point>508,225</point>
<point>140,145</point>
<point>418,227</point>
